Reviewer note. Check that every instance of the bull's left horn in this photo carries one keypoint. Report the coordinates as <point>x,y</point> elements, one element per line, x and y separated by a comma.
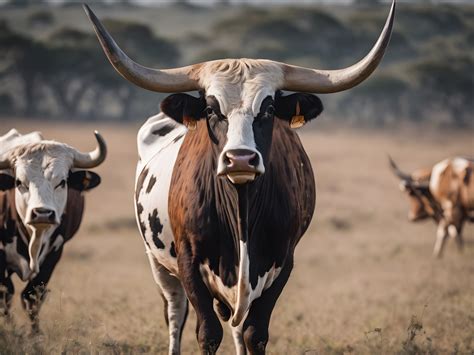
<point>329,81</point>
<point>94,158</point>
<point>165,80</point>
<point>396,170</point>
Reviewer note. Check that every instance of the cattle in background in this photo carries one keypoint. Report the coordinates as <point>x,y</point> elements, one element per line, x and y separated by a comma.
<point>41,207</point>
<point>444,193</point>
<point>224,189</point>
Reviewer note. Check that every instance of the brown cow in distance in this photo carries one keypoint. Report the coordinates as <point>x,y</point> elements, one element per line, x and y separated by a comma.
<point>444,193</point>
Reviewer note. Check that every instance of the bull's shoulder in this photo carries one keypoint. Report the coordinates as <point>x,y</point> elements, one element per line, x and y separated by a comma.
<point>157,133</point>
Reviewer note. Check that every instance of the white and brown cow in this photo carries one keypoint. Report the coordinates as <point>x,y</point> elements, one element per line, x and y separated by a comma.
<point>41,206</point>
<point>444,193</point>
<point>224,188</point>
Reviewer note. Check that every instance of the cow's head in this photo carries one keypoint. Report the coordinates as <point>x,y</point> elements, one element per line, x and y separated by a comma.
<point>41,174</point>
<point>240,97</point>
<point>416,187</point>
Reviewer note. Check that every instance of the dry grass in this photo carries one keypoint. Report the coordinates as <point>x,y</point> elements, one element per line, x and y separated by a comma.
<point>364,280</point>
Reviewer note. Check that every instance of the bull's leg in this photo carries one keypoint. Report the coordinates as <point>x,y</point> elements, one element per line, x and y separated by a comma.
<point>208,330</point>
<point>256,324</point>
<point>458,237</point>
<point>6,287</point>
<point>35,291</point>
<point>176,303</point>
<point>238,339</point>
<point>441,236</point>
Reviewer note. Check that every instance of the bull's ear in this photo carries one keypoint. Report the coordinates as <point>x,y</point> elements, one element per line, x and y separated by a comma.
<point>83,180</point>
<point>7,182</point>
<point>297,109</point>
<point>184,108</point>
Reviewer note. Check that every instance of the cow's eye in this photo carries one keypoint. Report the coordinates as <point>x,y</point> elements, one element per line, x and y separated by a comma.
<point>209,111</point>
<point>62,184</point>
<point>20,185</point>
<point>270,110</point>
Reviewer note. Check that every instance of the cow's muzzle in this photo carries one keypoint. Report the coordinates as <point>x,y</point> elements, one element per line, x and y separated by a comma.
<point>240,166</point>
<point>42,216</point>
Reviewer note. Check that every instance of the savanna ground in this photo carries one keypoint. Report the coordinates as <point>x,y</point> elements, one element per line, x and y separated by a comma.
<point>364,280</point>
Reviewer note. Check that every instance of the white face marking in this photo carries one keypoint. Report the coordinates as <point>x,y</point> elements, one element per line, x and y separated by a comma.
<point>41,171</point>
<point>240,86</point>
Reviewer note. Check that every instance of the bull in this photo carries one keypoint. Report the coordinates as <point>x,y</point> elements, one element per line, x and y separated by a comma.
<point>224,189</point>
<point>443,193</point>
<point>41,208</point>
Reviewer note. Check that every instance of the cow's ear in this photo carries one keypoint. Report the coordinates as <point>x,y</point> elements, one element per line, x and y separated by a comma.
<point>184,108</point>
<point>7,182</point>
<point>83,180</point>
<point>297,109</point>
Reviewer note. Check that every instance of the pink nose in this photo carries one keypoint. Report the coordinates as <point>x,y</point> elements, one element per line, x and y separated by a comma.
<point>240,160</point>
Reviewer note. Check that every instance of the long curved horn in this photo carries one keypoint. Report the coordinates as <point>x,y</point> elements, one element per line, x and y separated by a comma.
<point>330,81</point>
<point>4,163</point>
<point>94,158</point>
<point>166,80</point>
<point>398,172</point>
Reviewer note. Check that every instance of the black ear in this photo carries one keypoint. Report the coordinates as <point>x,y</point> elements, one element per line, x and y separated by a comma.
<point>83,180</point>
<point>297,109</point>
<point>183,107</point>
<point>7,182</point>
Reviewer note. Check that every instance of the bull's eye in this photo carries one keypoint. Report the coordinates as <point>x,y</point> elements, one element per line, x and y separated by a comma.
<point>20,186</point>
<point>209,111</point>
<point>270,110</point>
<point>62,184</point>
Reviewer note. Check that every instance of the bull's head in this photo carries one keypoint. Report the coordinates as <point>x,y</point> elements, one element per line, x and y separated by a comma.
<point>41,174</point>
<point>241,97</point>
<point>416,187</point>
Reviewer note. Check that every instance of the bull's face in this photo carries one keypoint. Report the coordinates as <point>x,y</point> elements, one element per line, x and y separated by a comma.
<point>41,183</point>
<point>417,205</point>
<point>240,121</point>
<point>41,174</point>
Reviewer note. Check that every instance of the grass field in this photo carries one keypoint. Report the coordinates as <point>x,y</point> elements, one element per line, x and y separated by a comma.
<point>364,280</point>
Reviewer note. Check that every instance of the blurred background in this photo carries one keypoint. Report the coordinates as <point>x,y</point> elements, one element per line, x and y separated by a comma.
<point>51,65</point>
<point>364,280</point>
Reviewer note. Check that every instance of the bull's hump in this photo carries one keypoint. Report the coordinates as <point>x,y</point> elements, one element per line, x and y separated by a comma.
<point>157,133</point>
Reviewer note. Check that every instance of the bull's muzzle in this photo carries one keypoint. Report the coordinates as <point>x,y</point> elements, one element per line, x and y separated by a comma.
<point>42,216</point>
<point>240,166</point>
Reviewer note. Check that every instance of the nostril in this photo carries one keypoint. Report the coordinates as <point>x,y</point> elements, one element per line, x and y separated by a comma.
<point>42,212</point>
<point>254,161</point>
<point>227,158</point>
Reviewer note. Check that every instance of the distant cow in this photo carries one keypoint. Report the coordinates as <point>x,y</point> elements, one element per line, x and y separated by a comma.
<point>41,207</point>
<point>444,193</point>
<point>224,189</point>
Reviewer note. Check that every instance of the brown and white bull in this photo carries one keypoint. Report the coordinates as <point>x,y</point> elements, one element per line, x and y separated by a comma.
<point>41,207</point>
<point>224,189</point>
<point>444,193</point>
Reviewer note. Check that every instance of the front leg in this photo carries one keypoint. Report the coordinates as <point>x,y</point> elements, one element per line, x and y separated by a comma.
<point>256,324</point>
<point>35,291</point>
<point>208,329</point>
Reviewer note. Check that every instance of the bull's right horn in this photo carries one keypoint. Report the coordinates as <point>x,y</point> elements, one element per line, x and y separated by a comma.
<point>398,172</point>
<point>329,81</point>
<point>165,80</point>
<point>94,158</point>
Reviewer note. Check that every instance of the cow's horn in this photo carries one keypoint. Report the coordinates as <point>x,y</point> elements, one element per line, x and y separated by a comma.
<point>329,81</point>
<point>165,80</point>
<point>4,163</point>
<point>398,172</point>
<point>94,158</point>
